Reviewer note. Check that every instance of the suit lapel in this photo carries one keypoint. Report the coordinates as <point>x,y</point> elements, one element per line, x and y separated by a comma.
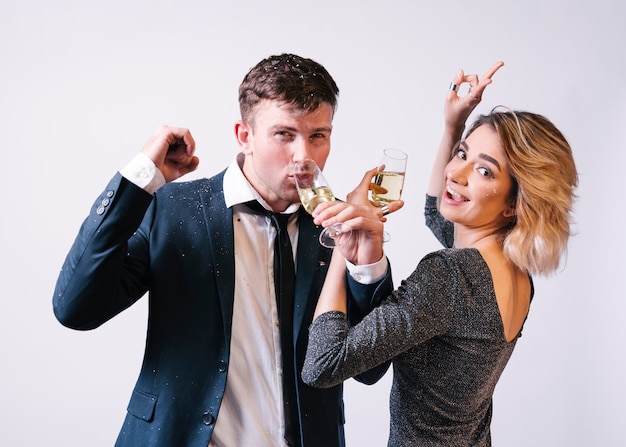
<point>311,255</point>
<point>219,222</point>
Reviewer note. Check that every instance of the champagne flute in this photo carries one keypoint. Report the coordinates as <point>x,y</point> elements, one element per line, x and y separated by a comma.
<point>389,180</point>
<point>313,189</point>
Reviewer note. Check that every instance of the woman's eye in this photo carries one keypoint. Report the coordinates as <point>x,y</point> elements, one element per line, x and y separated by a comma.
<point>485,172</point>
<point>461,154</point>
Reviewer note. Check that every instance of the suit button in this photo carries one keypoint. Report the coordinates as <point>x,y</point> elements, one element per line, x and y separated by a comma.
<point>110,194</point>
<point>100,210</point>
<point>221,366</point>
<point>105,202</point>
<point>208,418</point>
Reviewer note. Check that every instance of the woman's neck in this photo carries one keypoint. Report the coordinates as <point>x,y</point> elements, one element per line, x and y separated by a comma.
<point>475,237</point>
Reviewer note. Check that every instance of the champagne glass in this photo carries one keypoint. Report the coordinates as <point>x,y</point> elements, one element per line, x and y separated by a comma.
<point>313,189</point>
<point>389,180</point>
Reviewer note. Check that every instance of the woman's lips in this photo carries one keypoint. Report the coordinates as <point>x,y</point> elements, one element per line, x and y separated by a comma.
<point>454,196</point>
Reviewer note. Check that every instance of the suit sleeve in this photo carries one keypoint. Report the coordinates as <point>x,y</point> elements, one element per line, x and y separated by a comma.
<point>106,269</point>
<point>362,298</point>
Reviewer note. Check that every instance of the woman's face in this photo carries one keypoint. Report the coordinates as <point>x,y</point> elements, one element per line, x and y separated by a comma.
<point>478,184</point>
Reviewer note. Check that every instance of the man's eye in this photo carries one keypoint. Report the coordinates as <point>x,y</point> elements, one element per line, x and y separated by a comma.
<point>284,135</point>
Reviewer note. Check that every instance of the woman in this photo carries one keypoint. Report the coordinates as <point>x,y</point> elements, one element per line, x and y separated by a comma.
<point>451,326</point>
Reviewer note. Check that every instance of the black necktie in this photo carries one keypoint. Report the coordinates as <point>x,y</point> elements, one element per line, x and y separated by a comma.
<point>284,285</point>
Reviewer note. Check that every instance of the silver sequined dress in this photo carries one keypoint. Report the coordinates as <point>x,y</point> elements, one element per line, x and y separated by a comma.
<point>443,331</point>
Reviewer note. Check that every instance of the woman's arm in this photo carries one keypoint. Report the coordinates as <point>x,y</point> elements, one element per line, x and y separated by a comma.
<point>457,110</point>
<point>417,311</point>
<point>333,296</point>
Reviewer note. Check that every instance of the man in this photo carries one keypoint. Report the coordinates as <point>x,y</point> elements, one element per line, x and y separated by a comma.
<point>213,367</point>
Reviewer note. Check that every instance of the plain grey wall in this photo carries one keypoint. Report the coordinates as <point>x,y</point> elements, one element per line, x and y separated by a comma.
<point>84,84</point>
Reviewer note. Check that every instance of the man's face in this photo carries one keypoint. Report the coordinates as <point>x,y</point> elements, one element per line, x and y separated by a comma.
<point>278,138</point>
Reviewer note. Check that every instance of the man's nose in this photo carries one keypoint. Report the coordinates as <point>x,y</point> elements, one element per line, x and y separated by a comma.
<point>302,150</point>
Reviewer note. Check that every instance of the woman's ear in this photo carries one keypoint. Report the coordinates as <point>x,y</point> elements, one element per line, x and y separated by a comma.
<point>243,134</point>
<point>510,211</point>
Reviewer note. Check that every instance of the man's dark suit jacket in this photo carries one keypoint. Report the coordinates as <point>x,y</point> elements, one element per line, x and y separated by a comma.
<point>178,245</point>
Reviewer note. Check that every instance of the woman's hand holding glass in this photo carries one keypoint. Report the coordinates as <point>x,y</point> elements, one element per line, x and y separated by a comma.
<point>364,220</point>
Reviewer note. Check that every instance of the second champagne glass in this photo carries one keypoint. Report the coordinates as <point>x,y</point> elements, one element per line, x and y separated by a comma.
<point>313,189</point>
<point>389,180</point>
<point>390,177</point>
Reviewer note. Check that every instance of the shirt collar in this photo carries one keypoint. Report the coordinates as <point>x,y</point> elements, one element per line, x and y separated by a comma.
<point>238,190</point>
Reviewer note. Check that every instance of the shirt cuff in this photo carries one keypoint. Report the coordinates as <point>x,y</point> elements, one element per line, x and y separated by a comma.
<point>142,172</point>
<point>368,273</point>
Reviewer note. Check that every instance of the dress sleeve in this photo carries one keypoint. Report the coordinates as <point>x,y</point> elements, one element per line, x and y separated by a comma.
<point>362,298</point>
<point>417,311</point>
<point>442,228</point>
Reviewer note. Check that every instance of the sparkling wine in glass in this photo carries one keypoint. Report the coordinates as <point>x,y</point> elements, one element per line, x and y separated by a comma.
<point>389,180</point>
<point>390,177</point>
<point>313,189</point>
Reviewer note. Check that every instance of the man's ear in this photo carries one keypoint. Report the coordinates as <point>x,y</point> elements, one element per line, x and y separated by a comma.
<point>243,134</point>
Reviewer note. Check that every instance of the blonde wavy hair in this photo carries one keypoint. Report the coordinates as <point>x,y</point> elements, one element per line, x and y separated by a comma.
<point>544,176</point>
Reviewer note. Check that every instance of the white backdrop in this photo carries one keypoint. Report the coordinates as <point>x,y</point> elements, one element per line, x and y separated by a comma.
<point>84,84</point>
